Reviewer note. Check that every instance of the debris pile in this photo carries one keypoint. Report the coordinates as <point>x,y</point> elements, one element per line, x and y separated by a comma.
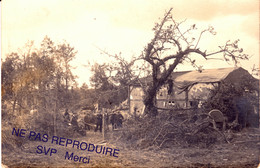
<point>173,128</point>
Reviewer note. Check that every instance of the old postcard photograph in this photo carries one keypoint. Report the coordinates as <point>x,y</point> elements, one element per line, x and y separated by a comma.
<point>130,83</point>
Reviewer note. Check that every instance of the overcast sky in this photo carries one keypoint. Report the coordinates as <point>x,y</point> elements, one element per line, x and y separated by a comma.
<point>126,26</point>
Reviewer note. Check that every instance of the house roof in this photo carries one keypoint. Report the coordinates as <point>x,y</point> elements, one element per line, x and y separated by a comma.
<point>187,78</point>
<point>205,76</point>
<point>210,76</point>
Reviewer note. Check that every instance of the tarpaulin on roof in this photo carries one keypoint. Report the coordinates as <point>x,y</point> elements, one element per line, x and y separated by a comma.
<point>206,76</point>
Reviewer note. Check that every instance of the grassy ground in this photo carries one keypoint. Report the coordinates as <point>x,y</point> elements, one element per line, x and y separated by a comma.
<point>243,151</point>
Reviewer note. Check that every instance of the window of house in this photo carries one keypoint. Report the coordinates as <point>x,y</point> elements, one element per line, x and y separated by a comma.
<point>161,94</point>
<point>171,103</point>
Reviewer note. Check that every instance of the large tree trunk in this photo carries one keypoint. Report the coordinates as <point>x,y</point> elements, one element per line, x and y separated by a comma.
<point>149,101</point>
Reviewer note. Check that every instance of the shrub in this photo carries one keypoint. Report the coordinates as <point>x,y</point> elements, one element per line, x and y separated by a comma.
<point>232,99</point>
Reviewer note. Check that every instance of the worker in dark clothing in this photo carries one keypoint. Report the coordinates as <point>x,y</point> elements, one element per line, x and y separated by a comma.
<point>120,119</point>
<point>99,122</point>
<point>74,122</point>
<point>66,117</point>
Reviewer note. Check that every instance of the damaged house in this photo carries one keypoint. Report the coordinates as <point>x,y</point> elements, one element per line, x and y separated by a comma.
<point>187,89</point>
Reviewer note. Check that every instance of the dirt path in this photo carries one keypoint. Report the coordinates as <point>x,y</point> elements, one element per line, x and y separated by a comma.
<point>240,153</point>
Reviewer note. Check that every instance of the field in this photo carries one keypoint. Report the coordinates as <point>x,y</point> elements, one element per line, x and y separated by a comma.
<point>242,151</point>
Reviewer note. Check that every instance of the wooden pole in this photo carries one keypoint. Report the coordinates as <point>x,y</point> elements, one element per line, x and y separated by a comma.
<point>187,98</point>
<point>129,100</point>
<point>103,124</point>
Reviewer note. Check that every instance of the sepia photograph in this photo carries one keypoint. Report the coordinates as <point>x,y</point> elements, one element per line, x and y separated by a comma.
<point>130,83</point>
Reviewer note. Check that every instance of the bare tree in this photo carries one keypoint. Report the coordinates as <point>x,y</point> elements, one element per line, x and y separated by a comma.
<point>111,80</point>
<point>171,46</point>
